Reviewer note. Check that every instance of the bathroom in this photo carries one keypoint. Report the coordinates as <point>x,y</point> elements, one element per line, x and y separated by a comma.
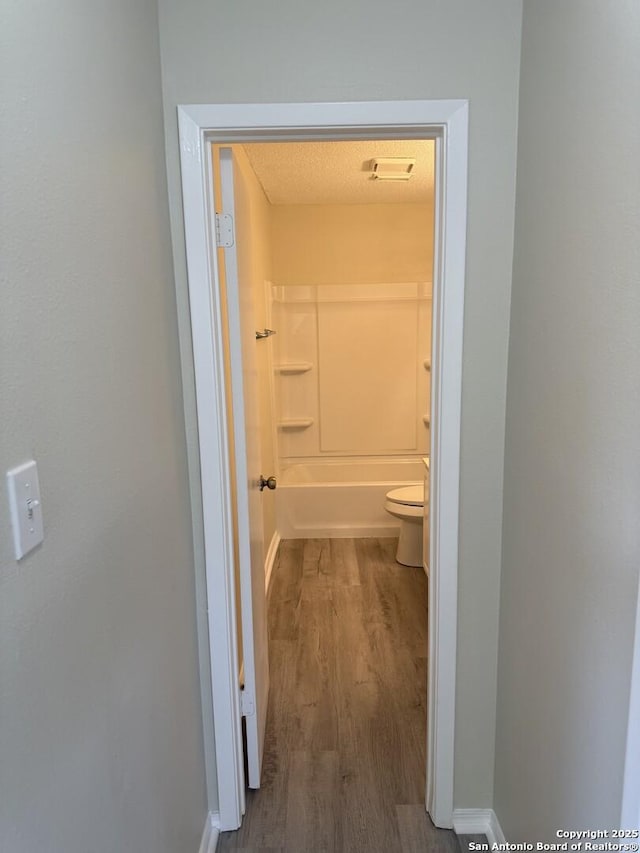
<point>341,268</point>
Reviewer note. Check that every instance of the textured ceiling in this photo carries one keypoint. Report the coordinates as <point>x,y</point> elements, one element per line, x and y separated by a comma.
<point>339,172</point>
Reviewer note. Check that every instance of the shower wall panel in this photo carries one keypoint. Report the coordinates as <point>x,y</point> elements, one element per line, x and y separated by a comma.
<point>367,356</point>
<point>352,369</point>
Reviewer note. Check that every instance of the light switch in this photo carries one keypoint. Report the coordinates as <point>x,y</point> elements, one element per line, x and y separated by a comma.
<point>26,509</point>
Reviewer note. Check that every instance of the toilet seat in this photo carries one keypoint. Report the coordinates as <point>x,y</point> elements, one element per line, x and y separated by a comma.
<point>408,495</point>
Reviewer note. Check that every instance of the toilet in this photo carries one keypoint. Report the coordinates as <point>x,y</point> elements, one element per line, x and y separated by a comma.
<point>407,504</point>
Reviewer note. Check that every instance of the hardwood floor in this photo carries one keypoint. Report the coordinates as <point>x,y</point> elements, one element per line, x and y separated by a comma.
<point>344,763</point>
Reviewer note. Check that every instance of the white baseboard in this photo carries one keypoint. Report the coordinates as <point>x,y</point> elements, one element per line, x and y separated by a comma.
<point>359,532</point>
<point>478,822</point>
<point>210,833</point>
<point>270,559</point>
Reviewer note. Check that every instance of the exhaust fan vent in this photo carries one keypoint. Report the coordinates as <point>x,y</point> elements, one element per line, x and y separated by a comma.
<point>392,168</point>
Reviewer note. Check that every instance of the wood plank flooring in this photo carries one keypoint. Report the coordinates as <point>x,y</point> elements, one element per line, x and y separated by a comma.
<point>344,763</point>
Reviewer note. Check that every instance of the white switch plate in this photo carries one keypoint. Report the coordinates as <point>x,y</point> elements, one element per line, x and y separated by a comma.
<point>26,510</point>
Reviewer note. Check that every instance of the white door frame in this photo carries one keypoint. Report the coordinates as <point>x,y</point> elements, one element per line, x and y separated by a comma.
<point>446,121</point>
<point>630,812</point>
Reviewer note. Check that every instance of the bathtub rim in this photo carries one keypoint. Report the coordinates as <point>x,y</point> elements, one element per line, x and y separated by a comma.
<point>416,464</point>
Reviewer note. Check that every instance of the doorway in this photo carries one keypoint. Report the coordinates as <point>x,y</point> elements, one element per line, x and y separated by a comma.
<point>446,123</point>
<point>336,404</point>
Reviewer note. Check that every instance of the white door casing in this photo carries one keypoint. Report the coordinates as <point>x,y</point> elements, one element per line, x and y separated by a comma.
<point>446,121</point>
<point>630,812</point>
<point>246,426</point>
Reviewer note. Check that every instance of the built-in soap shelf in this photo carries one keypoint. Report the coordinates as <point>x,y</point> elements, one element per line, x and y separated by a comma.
<point>295,424</point>
<point>293,367</point>
<point>427,364</point>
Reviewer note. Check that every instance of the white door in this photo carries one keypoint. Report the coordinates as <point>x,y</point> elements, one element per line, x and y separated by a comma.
<point>244,386</point>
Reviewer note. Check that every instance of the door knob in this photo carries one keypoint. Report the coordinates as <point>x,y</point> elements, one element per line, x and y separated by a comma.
<point>265,333</point>
<point>269,483</point>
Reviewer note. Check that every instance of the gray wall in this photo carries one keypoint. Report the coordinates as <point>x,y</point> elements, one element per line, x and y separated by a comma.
<point>101,732</point>
<point>244,51</point>
<point>572,466</point>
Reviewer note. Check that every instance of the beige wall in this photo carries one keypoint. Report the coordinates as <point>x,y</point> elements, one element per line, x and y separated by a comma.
<point>572,466</point>
<point>253,52</point>
<point>352,244</point>
<point>100,722</point>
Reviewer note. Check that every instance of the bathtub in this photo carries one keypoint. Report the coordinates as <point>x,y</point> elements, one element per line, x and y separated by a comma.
<point>330,499</point>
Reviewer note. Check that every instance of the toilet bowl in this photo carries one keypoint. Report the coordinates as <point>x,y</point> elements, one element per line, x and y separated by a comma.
<point>407,504</point>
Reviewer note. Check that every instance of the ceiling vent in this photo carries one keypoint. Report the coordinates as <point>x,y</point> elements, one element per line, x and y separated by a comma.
<point>392,168</point>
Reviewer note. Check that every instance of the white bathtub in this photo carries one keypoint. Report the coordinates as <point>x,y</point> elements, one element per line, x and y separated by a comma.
<point>341,499</point>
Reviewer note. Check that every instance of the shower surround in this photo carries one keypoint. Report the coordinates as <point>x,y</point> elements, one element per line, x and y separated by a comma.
<point>352,402</point>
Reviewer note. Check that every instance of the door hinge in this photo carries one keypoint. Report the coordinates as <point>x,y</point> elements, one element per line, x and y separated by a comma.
<point>224,230</point>
<point>247,705</point>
